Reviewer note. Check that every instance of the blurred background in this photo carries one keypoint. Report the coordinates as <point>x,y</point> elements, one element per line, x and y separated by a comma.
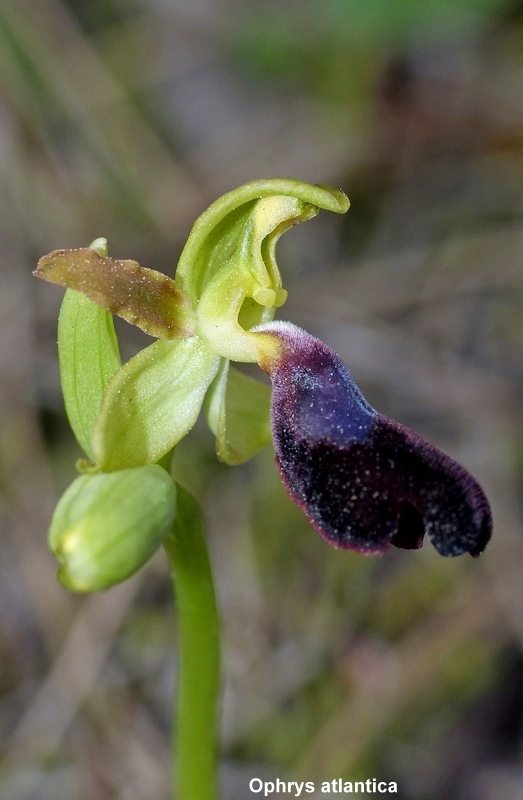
<point>125,120</point>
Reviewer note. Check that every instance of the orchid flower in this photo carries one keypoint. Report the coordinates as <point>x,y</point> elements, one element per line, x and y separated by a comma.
<point>364,481</point>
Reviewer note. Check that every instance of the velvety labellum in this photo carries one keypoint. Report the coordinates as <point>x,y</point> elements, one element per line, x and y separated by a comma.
<point>364,481</point>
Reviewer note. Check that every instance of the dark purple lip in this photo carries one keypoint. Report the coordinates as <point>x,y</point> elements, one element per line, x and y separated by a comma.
<point>364,481</point>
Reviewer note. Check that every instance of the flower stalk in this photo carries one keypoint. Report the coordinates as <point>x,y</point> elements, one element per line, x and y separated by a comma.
<point>196,705</point>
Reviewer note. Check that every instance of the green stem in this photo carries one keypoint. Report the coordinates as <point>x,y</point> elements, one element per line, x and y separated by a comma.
<point>195,716</point>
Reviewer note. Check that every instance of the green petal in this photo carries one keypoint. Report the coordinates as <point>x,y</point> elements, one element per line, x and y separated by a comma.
<point>106,526</point>
<point>238,413</point>
<point>143,297</point>
<point>152,402</point>
<point>88,355</point>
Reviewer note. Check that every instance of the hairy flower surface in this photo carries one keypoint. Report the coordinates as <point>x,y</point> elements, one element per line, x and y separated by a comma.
<point>364,481</point>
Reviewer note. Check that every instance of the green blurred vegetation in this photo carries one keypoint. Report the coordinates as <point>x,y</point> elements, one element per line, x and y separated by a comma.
<point>126,120</point>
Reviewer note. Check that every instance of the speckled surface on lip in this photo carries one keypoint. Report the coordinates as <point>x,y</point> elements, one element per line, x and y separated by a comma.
<point>364,481</point>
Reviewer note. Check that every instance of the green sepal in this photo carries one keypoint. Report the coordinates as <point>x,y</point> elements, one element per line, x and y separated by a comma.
<point>237,408</point>
<point>151,402</point>
<point>88,356</point>
<point>216,234</point>
<point>228,267</point>
<point>107,525</point>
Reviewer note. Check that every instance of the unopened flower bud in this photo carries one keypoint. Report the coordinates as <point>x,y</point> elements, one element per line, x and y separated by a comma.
<point>107,525</point>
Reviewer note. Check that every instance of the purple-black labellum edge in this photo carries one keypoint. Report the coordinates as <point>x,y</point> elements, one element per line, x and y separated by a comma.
<point>364,481</point>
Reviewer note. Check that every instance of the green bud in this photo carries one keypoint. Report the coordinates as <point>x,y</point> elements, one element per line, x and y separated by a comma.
<point>107,525</point>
